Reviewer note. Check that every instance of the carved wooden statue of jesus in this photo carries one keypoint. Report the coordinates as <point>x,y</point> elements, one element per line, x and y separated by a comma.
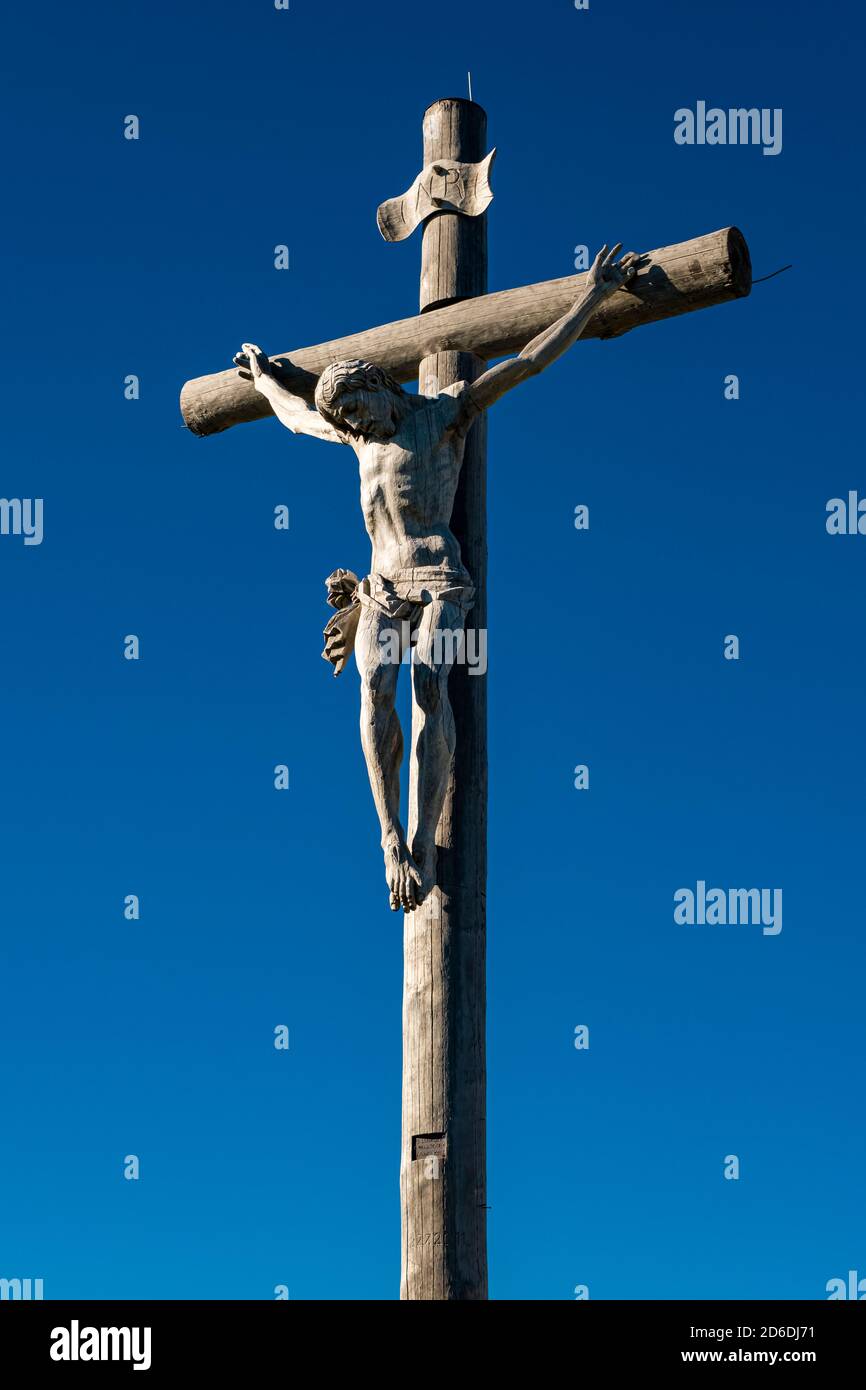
<point>410,451</point>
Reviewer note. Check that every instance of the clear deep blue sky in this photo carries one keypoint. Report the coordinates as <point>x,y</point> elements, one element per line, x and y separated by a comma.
<point>260,908</point>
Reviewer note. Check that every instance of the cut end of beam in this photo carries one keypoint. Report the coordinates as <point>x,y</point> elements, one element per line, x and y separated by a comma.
<point>741,263</point>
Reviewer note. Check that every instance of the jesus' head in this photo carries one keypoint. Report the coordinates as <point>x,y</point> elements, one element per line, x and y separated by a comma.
<point>360,399</point>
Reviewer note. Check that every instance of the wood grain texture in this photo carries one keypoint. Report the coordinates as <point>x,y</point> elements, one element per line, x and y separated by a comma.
<point>444,184</point>
<point>443,1205</point>
<point>696,274</point>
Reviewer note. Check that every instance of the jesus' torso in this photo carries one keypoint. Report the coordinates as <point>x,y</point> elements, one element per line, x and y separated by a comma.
<point>408,485</point>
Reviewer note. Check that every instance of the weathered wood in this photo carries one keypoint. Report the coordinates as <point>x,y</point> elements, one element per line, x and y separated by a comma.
<point>443,1199</point>
<point>673,280</point>
<point>443,185</point>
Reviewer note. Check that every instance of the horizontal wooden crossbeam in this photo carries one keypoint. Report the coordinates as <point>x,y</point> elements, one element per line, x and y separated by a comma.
<point>672,280</point>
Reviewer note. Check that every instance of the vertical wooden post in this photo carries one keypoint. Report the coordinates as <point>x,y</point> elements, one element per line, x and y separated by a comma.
<point>443,1172</point>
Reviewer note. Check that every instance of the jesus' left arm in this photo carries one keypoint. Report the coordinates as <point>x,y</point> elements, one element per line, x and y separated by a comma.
<point>604,277</point>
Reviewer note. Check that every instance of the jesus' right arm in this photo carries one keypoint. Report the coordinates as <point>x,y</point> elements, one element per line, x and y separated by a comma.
<point>291,410</point>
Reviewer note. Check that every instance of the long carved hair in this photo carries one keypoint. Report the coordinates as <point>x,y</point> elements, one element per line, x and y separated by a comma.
<point>355,375</point>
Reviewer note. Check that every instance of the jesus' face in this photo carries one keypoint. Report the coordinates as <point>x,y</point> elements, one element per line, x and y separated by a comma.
<point>368,414</point>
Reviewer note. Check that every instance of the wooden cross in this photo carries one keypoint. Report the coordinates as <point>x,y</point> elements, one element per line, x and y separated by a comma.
<point>460,328</point>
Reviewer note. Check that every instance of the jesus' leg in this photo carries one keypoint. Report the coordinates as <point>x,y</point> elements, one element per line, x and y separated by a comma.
<point>439,638</point>
<point>378,649</point>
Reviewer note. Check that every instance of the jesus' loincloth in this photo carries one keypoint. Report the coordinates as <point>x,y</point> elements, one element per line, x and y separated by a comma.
<point>403,598</point>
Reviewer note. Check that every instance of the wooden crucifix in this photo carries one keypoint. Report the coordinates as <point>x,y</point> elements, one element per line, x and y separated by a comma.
<point>422,462</point>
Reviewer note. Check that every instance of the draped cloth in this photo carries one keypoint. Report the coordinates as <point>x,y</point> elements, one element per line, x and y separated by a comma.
<point>340,632</point>
<point>402,598</point>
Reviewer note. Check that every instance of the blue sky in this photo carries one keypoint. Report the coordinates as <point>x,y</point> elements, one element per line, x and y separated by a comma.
<point>155,777</point>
